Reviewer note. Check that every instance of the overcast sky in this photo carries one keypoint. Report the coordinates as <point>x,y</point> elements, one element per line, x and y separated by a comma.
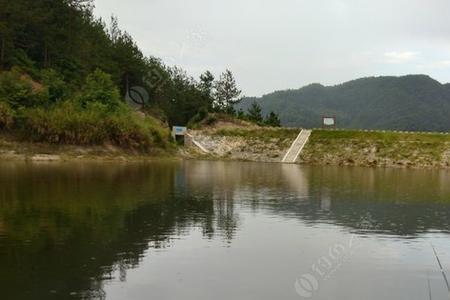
<point>278,44</point>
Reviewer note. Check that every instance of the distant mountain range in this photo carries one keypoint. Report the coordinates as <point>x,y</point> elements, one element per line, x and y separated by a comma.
<point>413,102</point>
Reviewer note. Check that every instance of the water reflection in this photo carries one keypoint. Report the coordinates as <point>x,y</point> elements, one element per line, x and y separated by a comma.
<point>66,230</point>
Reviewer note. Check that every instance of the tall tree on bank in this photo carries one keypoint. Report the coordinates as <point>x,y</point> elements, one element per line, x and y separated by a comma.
<point>3,34</point>
<point>127,56</point>
<point>226,93</point>
<point>206,86</point>
<point>254,113</point>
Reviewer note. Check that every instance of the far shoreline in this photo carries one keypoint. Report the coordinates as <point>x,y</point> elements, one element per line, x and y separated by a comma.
<point>347,148</point>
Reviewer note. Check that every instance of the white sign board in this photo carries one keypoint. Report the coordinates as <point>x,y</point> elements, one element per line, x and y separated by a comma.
<point>329,121</point>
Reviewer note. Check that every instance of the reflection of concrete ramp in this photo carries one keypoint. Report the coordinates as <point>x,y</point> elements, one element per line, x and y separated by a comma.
<point>297,147</point>
<point>297,180</point>
<point>195,143</point>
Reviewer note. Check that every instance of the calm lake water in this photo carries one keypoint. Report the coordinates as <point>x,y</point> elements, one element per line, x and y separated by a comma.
<point>220,230</point>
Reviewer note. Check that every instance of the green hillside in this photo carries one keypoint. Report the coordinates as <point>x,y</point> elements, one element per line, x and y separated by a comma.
<point>68,77</point>
<point>413,102</point>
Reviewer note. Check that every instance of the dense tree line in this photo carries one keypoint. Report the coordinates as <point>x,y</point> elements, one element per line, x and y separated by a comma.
<point>254,114</point>
<point>65,76</point>
<point>63,39</point>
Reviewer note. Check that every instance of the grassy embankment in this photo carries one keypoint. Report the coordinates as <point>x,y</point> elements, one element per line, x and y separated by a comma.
<point>375,148</point>
<point>337,147</point>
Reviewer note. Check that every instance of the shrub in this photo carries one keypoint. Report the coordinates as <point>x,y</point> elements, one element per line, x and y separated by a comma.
<point>199,117</point>
<point>18,90</point>
<point>63,124</point>
<point>129,131</point>
<point>56,87</point>
<point>22,61</point>
<point>100,88</point>
<point>211,120</point>
<point>6,116</point>
<point>273,120</point>
<point>70,123</point>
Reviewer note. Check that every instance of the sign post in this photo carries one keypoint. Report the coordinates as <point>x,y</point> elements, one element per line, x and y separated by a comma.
<point>328,122</point>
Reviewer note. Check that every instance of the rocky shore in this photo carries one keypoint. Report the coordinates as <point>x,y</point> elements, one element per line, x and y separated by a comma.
<point>327,147</point>
<point>253,144</point>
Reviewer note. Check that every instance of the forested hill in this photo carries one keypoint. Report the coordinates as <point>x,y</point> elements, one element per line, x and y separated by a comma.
<point>65,76</point>
<point>64,37</point>
<point>413,102</point>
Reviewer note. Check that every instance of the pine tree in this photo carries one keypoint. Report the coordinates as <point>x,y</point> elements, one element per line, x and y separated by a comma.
<point>273,120</point>
<point>254,113</point>
<point>226,93</point>
<point>241,114</point>
<point>206,86</point>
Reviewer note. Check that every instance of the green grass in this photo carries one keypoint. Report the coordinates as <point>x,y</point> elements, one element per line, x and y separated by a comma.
<point>378,135</point>
<point>93,125</point>
<point>395,147</point>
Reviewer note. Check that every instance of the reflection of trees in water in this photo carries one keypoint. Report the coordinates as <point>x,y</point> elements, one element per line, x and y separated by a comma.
<point>398,201</point>
<point>227,218</point>
<point>67,229</point>
<point>216,181</point>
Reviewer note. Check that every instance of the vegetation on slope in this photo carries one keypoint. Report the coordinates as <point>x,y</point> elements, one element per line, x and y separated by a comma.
<point>96,115</point>
<point>64,75</point>
<point>377,149</point>
<point>413,103</point>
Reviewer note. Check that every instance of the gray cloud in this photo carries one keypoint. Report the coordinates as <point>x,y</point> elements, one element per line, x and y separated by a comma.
<point>281,44</point>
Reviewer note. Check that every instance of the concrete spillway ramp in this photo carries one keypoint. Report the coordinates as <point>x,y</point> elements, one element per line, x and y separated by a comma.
<point>297,146</point>
<point>190,140</point>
